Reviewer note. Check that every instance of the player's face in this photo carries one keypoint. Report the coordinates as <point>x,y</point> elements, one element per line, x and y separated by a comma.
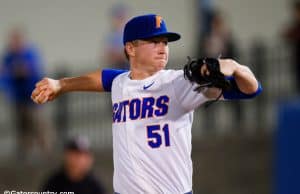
<point>152,53</point>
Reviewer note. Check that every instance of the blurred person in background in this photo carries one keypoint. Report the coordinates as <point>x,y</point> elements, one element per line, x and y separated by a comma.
<point>219,41</point>
<point>204,18</point>
<point>114,49</point>
<point>292,35</point>
<point>75,174</point>
<point>21,68</point>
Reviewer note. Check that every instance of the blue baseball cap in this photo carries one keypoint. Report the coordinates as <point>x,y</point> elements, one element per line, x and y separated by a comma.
<point>147,26</point>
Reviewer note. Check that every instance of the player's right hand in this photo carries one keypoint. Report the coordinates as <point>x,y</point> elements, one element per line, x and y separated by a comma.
<point>46,90</point>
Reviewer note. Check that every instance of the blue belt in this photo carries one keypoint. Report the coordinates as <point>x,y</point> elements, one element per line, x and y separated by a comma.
<point>191,192</point>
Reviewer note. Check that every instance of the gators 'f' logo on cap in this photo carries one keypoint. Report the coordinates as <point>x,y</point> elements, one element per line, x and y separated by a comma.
<point>158,20</point>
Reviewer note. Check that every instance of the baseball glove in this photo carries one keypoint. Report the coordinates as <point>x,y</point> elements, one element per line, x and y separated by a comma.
<point>211,75</point>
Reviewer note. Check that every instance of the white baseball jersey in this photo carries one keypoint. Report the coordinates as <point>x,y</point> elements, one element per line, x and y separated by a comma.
<point>152,120</point>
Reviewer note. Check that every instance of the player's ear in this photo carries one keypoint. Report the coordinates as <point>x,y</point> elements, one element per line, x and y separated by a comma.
<point>129,48</point>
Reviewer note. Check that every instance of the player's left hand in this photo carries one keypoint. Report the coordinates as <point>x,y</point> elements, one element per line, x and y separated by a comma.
<point>228,66</point>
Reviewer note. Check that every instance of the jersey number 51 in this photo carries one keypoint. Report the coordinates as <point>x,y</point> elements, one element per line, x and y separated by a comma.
<point>156,134</point>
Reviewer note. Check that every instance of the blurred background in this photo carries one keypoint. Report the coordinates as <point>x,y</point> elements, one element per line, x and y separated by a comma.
<point>239,147</point>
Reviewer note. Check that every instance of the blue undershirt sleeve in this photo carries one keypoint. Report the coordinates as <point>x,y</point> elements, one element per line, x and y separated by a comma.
<point>108,76</point>
<point>236,94</point>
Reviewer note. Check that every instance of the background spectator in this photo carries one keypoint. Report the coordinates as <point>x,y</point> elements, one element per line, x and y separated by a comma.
<point>75,174</point>
<point>292,36</point>
<point>21,68</point>
<point>114,50</point>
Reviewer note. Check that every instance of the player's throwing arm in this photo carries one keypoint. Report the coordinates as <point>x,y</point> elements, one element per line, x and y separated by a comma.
<point>48,89</point>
